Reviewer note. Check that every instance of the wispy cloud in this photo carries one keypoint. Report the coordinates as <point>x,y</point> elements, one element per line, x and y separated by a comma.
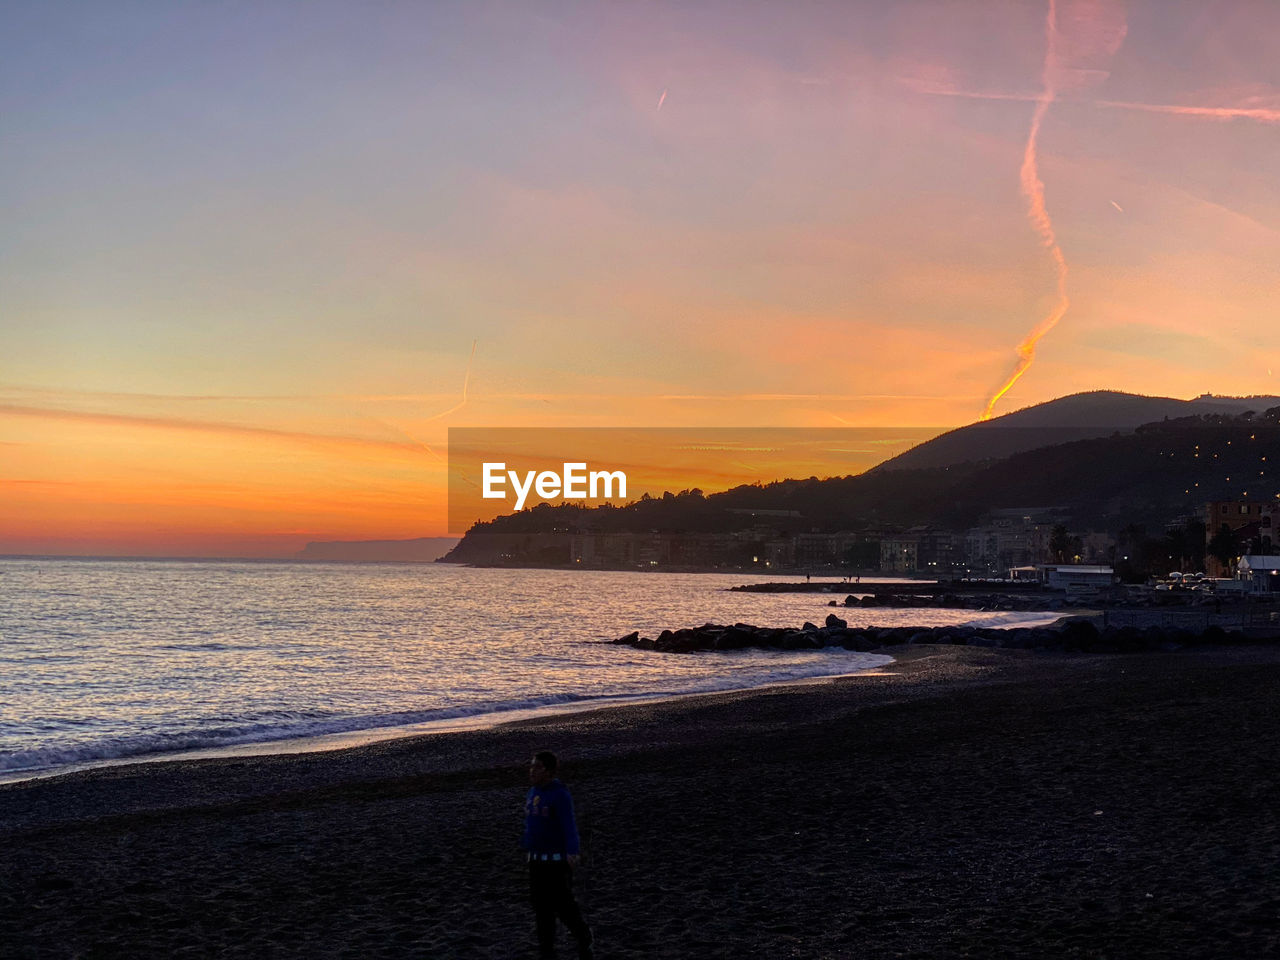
<point>5,482</point>
<point>29,391</point>
<point>200,426</point>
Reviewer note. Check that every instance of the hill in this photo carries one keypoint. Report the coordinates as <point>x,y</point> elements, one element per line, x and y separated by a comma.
<point>1155,474</point>
<point>1080,416</point>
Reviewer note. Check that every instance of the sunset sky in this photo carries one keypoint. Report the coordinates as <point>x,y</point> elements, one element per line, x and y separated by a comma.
<point>258,257</point>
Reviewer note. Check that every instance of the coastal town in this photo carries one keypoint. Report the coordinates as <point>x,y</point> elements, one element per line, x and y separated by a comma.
<point>1069,494</point>
<point>1227,547</point>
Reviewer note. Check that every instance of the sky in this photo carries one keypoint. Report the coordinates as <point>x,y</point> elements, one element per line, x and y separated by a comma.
<point>259,257</point>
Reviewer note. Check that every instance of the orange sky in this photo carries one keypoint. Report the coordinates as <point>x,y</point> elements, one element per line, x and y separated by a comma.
<point>249,254</point>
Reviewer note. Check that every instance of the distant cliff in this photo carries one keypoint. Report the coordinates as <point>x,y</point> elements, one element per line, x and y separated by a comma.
<point>420,550</point>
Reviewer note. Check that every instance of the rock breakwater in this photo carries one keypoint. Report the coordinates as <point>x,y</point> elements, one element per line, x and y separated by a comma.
<point>1071,634</point>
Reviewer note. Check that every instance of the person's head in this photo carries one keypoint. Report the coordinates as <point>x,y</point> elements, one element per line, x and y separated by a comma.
<point>542,768</point>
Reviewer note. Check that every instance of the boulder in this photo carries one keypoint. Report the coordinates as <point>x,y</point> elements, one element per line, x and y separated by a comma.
<point>797,640</point>
<point>735,639</point>
<point>859,642</point>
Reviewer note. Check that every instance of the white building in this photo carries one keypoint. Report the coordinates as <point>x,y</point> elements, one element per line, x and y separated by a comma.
<point>1071,577</point>
<point>1262,573</point>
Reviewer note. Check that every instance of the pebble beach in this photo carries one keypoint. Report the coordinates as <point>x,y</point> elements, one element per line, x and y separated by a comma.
<point>958,803</point>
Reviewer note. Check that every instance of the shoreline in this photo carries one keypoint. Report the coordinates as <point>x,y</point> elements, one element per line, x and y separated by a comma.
<point>239,777</point>
<point>481,720</point>
<point>961,802</point>
<point>485,718</point>
<point>368,736</point>
<point>442,751</point>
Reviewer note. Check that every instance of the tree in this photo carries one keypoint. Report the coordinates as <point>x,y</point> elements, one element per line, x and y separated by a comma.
<point>1060,544</point>
<point>1223,547</point>
<point>1131,537</point>
<point>1195,533</point>
<point>1261,545</point>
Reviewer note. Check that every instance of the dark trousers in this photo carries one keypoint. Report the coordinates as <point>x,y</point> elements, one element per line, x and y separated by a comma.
<point>551,892</point>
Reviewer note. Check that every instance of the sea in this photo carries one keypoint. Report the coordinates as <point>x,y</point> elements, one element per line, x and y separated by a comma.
<point>111,661</point>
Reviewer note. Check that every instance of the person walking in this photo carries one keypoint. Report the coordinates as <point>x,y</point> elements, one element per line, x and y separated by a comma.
<point>550,842</point>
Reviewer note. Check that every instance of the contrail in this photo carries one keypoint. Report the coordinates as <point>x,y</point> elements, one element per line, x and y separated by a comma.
<point>1261,114</point>
<point>662,99</point>
<point>466,381</point>
<point>1033,189</point>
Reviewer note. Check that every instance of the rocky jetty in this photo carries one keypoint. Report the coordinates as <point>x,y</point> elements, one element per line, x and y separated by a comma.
<point>980,595</point>
<point>1072,634</point>
<point>916,588</point>
<point>958,601</point>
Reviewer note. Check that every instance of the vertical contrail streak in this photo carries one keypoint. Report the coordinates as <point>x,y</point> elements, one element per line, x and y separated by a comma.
<point>1033,189</point>
<point>466,382</point>
<point>462,402</point>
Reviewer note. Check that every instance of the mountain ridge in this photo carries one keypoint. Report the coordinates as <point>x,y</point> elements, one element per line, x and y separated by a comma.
<point>1157,473</point>
<point>1077,416</point>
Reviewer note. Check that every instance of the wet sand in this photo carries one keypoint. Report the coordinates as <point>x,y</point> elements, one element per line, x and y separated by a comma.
<point>966,803</point>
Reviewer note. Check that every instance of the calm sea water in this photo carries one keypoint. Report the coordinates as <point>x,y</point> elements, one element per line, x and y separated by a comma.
<point>103,660</point>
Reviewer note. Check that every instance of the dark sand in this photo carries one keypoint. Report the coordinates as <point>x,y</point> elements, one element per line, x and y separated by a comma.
<point>978,803</point>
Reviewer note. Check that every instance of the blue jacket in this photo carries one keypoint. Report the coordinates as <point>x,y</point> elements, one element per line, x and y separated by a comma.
<point>549,826</point>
